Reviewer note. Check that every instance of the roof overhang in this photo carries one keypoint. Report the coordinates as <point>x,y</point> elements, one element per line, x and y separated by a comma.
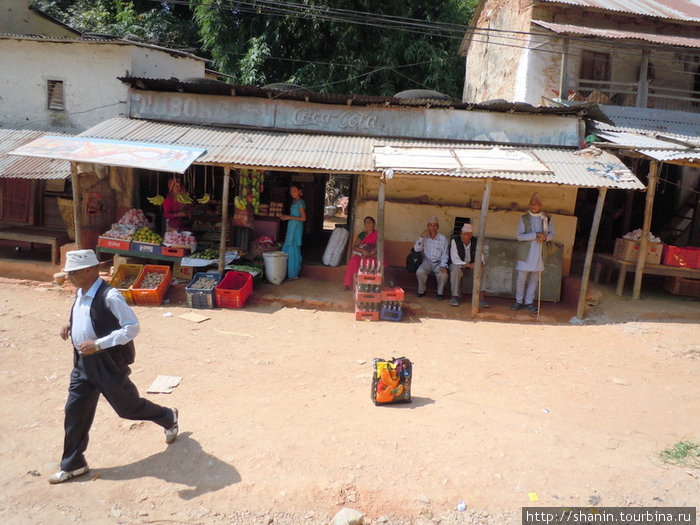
<point>158,157</point>
<point>617,34</point>
<point>13,167</point>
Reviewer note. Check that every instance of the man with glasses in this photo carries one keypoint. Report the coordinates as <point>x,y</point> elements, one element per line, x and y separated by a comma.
<point>102,328</point>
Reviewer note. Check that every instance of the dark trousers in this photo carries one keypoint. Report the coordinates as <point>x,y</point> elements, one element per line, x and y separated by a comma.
<point>92,376</point>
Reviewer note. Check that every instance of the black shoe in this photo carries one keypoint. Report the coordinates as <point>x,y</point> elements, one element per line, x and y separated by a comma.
<point>516,306</point>
<point>440,297</point>
<point>420,294</point>
<point>532,308</point>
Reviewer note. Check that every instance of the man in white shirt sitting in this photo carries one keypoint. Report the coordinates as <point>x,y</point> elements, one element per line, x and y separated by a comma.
<point>433,245</point>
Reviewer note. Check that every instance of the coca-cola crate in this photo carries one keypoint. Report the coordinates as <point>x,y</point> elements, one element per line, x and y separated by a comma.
<point>365,297</point>
<point>392,294</point>
<point>173,251</point>
<point>366,315</point>
<point>369,278</point>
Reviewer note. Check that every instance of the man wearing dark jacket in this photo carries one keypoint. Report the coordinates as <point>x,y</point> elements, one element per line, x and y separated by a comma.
<point>102,328</point>
<point>462,252</point>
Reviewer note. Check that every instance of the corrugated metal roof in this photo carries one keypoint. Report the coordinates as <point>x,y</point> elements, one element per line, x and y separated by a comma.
<point>592,167</point>
<point>656,149</point>
<point>616,34</point>
<point>28,167</point>
<point>352,154</point>
<point>685,10</point>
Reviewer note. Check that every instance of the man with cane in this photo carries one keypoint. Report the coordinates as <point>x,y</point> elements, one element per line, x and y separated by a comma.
<point>534,229</point>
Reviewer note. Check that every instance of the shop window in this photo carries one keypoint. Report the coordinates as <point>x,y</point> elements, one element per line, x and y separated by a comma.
<point>55,95</point>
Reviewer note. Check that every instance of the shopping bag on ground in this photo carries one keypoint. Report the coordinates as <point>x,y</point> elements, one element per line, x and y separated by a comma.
<point>391,381</point>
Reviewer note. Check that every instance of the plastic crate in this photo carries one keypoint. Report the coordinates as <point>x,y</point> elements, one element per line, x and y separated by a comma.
<point>202,298</point>
<point>688,257</point>
<point>146,247</point>
<point>126,271</point>
<point>390,315</point>
<point>234,289</point>
<point>172,251</point>
<point>366,315</point>
<point>152,296</point>
<point>363,297</point>
<point>392,294</point>
<point>117,244</point>
<point>369,278</point>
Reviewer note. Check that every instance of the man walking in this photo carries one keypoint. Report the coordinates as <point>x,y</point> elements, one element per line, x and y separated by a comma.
<point>102,328</point>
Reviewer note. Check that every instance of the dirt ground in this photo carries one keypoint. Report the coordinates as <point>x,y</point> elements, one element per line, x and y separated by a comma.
<point>277,425</point>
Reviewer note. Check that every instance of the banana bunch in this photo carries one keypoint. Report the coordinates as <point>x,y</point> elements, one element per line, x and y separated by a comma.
<point>157,200</point>
<point>184,198</point>
<point>204,199</point>
<point>240,203</point>
<point>251,181</point>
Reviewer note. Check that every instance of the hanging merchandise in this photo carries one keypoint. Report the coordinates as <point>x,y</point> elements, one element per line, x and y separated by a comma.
<point>250,182</point>
<point>206,197</point>
<point>158,199</point>
<point>94,203</point>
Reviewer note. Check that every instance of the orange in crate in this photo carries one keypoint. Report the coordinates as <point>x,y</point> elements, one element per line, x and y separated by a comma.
<point>234,289</point>
<point>152,296</point>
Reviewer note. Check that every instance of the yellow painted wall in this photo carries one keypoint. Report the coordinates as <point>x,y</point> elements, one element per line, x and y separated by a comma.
<point>410,200</point>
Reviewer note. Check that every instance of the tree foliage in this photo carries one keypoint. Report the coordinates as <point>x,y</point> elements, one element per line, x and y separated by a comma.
<point>371,47</point>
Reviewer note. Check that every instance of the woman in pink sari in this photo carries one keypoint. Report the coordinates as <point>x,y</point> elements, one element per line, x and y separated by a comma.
<point>365,247</point>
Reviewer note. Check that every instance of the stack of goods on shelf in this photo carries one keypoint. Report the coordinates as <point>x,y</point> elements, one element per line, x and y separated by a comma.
<point>368,282</point>
<point>275,209</point>
<point>120,235</point>
<point>627,247</point>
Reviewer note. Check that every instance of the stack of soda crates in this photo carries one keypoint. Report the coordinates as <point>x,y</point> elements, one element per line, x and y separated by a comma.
<point>392,303</point>
<point>368,283</point>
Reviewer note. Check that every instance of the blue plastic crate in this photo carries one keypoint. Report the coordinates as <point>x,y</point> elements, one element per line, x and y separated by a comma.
<point>385,314</point>
<point>202,298</point>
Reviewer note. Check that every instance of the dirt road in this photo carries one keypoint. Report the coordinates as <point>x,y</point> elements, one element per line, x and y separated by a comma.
<point>277,425</point>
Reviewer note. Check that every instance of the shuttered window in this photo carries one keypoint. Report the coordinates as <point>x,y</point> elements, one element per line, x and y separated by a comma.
<point>55,95</point>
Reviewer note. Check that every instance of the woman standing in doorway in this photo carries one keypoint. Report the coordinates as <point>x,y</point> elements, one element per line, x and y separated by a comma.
<point>295,229</point>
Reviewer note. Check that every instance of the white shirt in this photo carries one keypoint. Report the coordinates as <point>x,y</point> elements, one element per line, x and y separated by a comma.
<point>81,326</point>
<point>435,250</point>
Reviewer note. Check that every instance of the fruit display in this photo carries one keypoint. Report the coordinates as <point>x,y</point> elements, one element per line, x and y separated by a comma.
<point>134,217</point>
<point>120,231</point>
<point>145,234</point>
<point>184,239</point>
<point>157,200</point>
<point>209,253</point>
<point>250,181</point>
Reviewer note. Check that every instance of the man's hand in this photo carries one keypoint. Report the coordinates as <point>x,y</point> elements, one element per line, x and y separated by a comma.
<point>65,332</point>
<point>443,269</point>
<point>87,347</point>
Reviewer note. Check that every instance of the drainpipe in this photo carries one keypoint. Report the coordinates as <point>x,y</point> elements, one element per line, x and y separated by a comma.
<point>224,218</point>
<point>648,209</point>
<point>478,267</point>
<point>589,252</point>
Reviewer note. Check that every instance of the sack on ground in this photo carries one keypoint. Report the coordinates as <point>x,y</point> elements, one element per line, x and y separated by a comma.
<point>391,381</point>
<point>414,260</point>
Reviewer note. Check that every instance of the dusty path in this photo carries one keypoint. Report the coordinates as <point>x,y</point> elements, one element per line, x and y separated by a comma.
<point>278,427</point>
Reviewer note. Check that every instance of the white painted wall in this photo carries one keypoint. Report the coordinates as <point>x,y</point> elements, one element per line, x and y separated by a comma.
<point>89,71</point>
<point>16,18</point>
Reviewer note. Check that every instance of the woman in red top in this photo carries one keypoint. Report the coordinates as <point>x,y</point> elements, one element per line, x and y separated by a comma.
<point>175,212</point>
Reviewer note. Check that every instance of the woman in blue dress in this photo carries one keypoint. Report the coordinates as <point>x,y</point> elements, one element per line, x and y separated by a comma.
<point>295,229</point>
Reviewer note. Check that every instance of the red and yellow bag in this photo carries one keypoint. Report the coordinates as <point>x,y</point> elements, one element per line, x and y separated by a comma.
<point>391,381</point>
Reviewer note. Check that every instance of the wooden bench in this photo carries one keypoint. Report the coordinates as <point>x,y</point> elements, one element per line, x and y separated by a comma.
<point>630,266</point>
<point>37,235</point>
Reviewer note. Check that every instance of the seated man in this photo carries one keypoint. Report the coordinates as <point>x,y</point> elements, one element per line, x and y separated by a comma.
<point>433,245</point>
<point>462,251</point>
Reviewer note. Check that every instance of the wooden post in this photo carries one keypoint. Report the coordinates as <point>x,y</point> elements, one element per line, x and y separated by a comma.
<point>224,218</point>
<point>643,89</point>
<point>648,209</point>
<point>381,198</point>
<point>589,252</point>
<point>478,267</point>
<point>563,75</point>
<point>77,218</point>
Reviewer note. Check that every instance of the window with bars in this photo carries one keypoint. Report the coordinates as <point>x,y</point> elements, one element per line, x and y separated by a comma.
<point>55,95</point>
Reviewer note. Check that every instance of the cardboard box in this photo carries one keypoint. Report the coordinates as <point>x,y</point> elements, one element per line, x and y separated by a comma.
<point>182,273</point>
<point>628,250</point>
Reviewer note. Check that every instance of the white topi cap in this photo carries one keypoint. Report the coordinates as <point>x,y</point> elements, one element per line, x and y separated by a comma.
<point>433,220</point>
<point>79,259</point>
<point>467,227</point>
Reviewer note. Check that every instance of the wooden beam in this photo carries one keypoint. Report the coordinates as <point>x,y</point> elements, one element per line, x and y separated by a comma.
<point>76,205</point>
<point>589,252</point>
<point>381,201</point>
<point>648,210</point>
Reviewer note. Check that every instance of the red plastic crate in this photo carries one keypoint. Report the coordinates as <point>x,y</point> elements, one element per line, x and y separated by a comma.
<point>364,297</point>
<point>366,315</point>
<point>392,294</point>
<point>171,251</point>
<point>369,278</point>
<point>117,244</point>
<point>688,257</point>
<point>152,296</point>
<point>234,289</point>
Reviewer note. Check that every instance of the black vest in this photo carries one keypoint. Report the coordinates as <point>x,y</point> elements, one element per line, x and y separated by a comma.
<point>104,322</point>
<point>460,248</point>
